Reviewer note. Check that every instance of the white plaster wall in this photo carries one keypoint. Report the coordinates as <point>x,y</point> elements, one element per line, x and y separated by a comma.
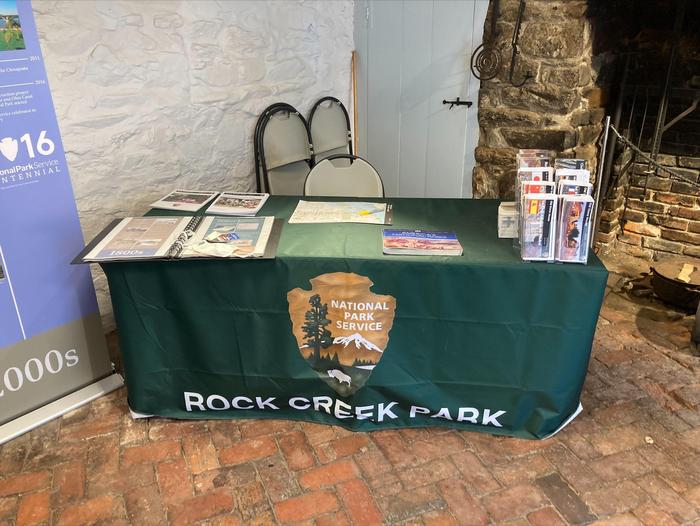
<point>153,95</point>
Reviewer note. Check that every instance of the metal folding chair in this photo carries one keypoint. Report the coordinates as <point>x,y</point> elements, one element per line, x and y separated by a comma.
<point>257,138</point>
<point>283,150</point>
<point>330,128</point>
<point>344,175</point>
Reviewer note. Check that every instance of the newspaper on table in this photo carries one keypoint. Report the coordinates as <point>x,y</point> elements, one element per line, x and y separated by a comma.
<point>238,204</point>
<point>341,212</point>
<point>185,200</point>
<point>573,231</point>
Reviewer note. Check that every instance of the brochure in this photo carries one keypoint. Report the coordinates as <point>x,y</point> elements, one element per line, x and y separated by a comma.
<point>420,243</point>
<point>536,174</point>
<point>582,176</point>
<point>534,158</point>
<point>574,228</point>
<point>229,237</point>
<point>568,187</point>
<point>537,187</point>
<point>341,212</point>
<point>185,200</point>
<point>537,227</point>
<point>541,175</point>
<point>138,238</point>
<point>507,220</point>
<point>574,164</point>
<point>237,204</point>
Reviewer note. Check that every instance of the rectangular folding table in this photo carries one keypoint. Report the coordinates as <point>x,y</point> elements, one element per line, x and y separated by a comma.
<point>483,341</point>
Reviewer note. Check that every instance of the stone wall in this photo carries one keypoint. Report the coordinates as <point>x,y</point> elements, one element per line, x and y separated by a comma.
<point>153,95</point>
<point>559,109</point>
<point>652,215</point>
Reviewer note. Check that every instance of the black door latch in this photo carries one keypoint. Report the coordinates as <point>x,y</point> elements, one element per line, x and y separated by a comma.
<point>457,102</point>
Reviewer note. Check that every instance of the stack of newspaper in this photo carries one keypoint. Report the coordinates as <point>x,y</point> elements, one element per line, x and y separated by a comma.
<point>554,206</point>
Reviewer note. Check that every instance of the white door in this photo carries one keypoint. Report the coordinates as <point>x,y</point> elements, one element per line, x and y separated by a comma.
<point>412,55</point>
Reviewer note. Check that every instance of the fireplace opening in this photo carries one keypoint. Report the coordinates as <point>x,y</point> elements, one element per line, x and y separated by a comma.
<point>647,55</point>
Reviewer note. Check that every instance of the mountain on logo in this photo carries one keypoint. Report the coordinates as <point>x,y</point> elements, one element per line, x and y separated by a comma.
<point>358,340</point>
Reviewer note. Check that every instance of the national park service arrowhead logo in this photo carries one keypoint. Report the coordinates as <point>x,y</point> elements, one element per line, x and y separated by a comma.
<point>9,148</point>
<point>341,328</point>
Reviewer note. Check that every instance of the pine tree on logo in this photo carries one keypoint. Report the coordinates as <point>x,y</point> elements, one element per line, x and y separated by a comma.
<point>317,336</point>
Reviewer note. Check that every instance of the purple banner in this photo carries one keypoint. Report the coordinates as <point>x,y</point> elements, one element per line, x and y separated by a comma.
<point>39,227</point>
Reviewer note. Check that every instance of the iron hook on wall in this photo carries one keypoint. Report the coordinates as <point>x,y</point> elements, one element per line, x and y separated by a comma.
<point>516,51</point>
<point>457,102</point>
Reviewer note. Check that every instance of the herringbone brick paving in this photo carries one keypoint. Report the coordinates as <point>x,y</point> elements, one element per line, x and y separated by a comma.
<point>632,457</point>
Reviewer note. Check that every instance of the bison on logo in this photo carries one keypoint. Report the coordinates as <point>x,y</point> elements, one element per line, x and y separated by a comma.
<point>342,328</point>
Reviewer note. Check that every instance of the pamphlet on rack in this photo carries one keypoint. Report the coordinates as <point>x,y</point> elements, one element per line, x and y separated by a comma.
<point>537,227</point>
<point>342,212</point>
<point>185,200</point>
<point>420,243</point>
<point>237,204</point>
<point>537,187</point>
<point>574,228</point>
<point>534,158</point>
<point>568,187</point>
<point>536,174</point>
<point>143,238</point>
<point>579,175</point>
<point>574,164</point>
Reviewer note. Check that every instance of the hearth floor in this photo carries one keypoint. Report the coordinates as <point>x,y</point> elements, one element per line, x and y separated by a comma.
<point>631,457</point>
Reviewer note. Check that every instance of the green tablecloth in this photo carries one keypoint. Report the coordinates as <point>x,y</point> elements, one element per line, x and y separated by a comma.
<point>483,342</point>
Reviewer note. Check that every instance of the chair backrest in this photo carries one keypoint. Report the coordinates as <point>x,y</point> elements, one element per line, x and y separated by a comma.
<point>285,152</point>
<point>344,176</point>
<point>257,138</point>
<point>330,128</point>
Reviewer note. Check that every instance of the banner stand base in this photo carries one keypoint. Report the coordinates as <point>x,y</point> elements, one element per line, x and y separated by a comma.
<point>59,407</point>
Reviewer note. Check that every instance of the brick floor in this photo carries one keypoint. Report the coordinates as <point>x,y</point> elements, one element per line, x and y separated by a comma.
<point>632,457</point>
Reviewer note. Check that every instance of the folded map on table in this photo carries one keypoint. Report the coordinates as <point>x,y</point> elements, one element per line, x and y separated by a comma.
<point>342,212</point>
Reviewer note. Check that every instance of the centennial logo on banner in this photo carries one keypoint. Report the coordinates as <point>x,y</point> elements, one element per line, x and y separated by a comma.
<point>342,328</point>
